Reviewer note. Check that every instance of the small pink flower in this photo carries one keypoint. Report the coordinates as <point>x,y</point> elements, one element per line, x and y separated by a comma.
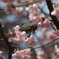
<point>30,40</point>
<point>41,55</point>
<point>10,33</point>
<point>17,27</point>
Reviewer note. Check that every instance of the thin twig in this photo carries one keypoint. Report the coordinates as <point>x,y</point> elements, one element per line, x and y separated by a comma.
<point>46,44</point>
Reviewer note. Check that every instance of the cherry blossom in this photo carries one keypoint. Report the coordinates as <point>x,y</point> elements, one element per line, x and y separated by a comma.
<point>41,55</point>
<point>10,33</point>
<point>34,12</point>
<point>17,27</point>
<point>19,35</point>
<point>30,40</point>
<point>23,54</point>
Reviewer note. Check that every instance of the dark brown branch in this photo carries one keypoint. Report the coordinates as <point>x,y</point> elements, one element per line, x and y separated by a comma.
<point>6,41</point>
<point>54,18</point>
<point>46,44</point>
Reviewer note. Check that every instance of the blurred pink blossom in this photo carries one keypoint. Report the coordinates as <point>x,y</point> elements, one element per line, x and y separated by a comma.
<point>30,40</point>
<point>23,54</point>
<point>41,55</point>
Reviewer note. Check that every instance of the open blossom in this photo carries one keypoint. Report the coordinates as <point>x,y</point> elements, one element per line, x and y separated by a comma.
<point>55,11</point>
<point>1,53</point>
<point>41,55</point>
<point>30,40</point>
<point>23,54</point>
<point>19,9</point>
<point>10,33</point>
<point>20,36</point>
<point>15,40</point>
<point>16,27</point>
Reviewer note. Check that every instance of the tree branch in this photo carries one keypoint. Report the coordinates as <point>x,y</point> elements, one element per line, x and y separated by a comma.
<point>54,18</point>
<point>46,44</point>
<point>6,41</point>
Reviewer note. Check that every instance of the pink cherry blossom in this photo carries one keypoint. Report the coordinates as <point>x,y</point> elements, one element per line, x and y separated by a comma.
<point>20,36</point>
<point>46,22</point>
<point>41,55</point>
<point>30,41</point>
<point>34,12</point>
<point>16,28</point>
<point>1,53</point>
<point>10,33</point>
<point>19,9</point>
<point>23,54</point>
<point>15,40</point>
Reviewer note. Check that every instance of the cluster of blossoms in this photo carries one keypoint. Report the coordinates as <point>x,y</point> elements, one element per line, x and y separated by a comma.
<point>23,54</point>
<point>20,37</point>
<point>1,53</point>
<point>12,9</point>
<point>41,55</point>
<point>30,41</point>
<point>44,22</point>
<point>34,12</point>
